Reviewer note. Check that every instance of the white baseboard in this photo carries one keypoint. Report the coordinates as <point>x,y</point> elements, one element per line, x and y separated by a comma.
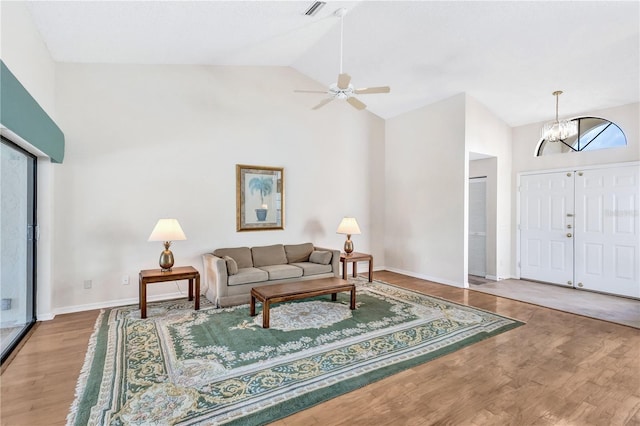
<point>109,304</point>
<point>47,316</point>
<point>491,277</point>
<point>426,277</point>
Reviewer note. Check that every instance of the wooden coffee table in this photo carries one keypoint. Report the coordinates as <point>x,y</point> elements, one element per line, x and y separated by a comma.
<point>268,294</point>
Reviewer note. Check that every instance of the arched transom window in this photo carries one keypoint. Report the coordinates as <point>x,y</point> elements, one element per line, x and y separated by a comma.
<point>593,133</point>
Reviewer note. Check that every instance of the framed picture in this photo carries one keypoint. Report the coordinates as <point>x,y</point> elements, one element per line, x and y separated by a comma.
<point>259,198</point>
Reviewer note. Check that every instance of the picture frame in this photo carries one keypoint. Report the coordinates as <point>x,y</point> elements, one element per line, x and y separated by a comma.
<point>259,198</point>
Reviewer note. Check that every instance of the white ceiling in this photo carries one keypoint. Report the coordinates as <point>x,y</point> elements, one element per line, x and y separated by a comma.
<point>509,55</point>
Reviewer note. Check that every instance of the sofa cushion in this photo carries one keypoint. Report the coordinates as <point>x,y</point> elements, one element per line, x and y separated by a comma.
<point>268,255</point>
<point>320,256</point>
<point>278,272</point>
<point>248,275</point>
<point>313,268</point>
<point>298,252</point>
<point>242,255</point>
<point>232,266</point>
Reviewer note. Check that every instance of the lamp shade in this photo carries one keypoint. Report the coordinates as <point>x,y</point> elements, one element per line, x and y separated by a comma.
<point>167,230</point>
<point>348,226</point>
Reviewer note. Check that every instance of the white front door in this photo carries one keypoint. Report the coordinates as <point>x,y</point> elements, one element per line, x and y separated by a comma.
<point>478,227</point>
<point>546,227</point>
<point>607,243</point>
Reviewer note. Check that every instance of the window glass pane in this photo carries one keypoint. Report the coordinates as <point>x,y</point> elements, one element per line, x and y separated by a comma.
<point>17,251</point>
<point>611,137</point>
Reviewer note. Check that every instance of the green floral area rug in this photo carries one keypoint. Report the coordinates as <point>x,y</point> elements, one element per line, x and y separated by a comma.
<point>219,366</point>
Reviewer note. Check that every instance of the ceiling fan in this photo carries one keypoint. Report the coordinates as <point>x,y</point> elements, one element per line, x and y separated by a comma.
<point>343,89</point>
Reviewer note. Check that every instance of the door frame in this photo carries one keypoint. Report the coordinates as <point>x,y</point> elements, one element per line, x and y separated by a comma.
<point>571,169</point>
<point>33,243</point>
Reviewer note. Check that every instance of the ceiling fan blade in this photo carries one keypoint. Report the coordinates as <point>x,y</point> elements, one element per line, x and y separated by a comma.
<point>311,91</point>
<point>369,90</point>
<point>343,81</point>
<point>323,103</point>
<point>356,103</point>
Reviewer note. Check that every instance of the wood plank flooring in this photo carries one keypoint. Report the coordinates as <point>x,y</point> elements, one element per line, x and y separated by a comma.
<point>558,369</point>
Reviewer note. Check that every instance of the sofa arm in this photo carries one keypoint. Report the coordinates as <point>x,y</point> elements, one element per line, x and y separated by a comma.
<point>335,260</point>
<point>215,277</point>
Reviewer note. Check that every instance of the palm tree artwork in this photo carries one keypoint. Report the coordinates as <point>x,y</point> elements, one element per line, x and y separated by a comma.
<point>264,187</point>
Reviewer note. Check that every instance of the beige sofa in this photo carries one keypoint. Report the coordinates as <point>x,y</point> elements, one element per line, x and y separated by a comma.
<point>230,273</point>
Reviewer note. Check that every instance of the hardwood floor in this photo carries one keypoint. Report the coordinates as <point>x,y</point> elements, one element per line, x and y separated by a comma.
<point>559,368</point>
<point>38,386</point>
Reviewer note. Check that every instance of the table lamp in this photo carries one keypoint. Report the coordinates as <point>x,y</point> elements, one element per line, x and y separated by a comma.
<point>167,230</point>
<point>348,226</point>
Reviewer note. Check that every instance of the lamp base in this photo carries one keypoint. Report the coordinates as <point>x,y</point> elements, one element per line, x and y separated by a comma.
<point>348,245</point>
<point>166,260</point>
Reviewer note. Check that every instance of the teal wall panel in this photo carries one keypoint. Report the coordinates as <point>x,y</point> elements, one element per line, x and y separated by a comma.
<point>20,113</point>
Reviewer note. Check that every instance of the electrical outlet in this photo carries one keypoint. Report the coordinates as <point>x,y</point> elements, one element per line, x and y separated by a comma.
<point>125,280</point>
<point>87,284</point>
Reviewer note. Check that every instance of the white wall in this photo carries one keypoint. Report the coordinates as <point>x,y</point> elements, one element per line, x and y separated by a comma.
<point>377,196</point>
<point>26,54</point>
<point>425,174</point>
<point>487,134</point>
<point>527,138</point>
<point>28,58</point>
<point>146,142</point>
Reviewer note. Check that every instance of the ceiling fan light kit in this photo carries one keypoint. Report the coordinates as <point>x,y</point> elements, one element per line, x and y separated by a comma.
<point>559,130</point>
<point>343,89</point>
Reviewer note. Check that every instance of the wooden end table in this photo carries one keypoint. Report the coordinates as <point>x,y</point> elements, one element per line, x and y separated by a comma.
<point>268,294</point>
<point>149,276</point>
<point>355,257</point>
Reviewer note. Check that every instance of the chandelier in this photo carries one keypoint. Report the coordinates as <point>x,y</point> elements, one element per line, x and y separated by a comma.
<point>559,130</point>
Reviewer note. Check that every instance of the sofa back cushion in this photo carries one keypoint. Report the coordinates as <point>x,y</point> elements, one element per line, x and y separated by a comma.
<point>268,255</point>
<point>242,255</point>
<point>320,256</point>
<point>298,252</point>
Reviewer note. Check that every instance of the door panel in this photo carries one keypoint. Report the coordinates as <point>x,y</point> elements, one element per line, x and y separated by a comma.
<point>546,203</point>
<point>478,227</point>
<point>607,238</point>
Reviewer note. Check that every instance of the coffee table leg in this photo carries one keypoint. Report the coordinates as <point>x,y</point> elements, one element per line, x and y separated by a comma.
<point>353,298</point>
<point>252,306</point>
<point>371,270</point>
<point>265,314</point>
<point>334,297</point>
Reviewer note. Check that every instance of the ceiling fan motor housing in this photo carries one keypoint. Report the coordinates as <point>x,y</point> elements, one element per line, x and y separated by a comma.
<point>339,93</point>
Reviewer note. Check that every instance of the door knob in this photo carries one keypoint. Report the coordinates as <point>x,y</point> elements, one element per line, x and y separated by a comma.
<point>569,235</point>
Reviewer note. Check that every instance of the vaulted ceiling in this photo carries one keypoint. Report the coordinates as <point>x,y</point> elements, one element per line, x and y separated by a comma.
<point>509,55</point>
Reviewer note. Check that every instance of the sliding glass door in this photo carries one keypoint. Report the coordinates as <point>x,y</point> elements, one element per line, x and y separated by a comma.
<point>18,249</point>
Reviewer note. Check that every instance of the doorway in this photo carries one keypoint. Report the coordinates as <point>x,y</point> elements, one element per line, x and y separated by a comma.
<point>478,227</point>
<point>18,252</point>
<point>580,228</point>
